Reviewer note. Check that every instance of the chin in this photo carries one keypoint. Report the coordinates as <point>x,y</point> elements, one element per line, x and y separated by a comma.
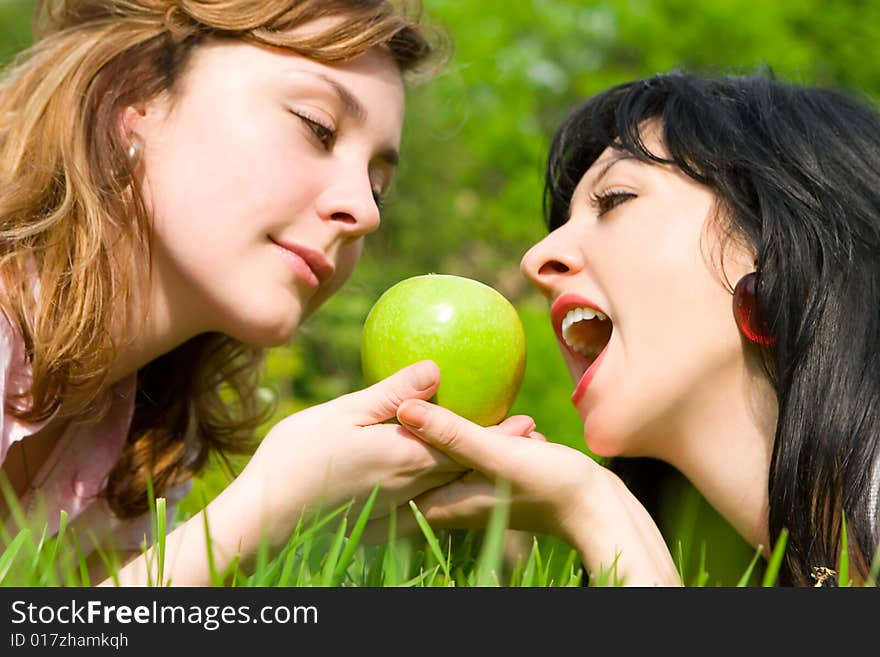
<point>268,331</point>
<point>600,445</point>
<point>602,448</point>
<point>602,440</point>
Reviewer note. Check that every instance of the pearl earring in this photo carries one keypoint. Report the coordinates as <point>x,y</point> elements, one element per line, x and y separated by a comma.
<point>135,148</point>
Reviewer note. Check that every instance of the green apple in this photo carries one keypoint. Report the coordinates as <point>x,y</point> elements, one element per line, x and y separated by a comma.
<point>468,328</point>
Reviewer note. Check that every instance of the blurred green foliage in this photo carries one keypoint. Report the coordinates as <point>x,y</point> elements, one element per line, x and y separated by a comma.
<point>468,196</point>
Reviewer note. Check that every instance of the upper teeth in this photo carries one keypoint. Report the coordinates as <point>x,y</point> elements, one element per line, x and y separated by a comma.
<point>572,317</point>
<point>579,314</point>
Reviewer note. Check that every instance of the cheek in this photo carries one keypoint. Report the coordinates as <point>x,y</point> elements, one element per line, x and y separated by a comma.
<point>661,382</point>
<point>620,399</point>
<point>670,351</point>
<point>207,167</point>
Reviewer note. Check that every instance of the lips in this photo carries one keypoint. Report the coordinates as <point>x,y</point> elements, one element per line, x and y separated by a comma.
<point>584,331</point>
<point>316,261</point>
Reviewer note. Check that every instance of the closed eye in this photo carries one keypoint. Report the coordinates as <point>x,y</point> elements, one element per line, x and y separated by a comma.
<point>607,201</point>
<point>324,134</point>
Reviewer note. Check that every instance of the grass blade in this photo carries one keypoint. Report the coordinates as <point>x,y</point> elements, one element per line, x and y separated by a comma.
<point>419,580</point>
<point>109,558</point>
<point>304,573</point>
<point>875,569</point>
<point>702,575</point>
<point>159,540</point>
<point>389,559</point>
<point>216,577</point>
<point>11,551</point>
<point>491,554</point>
<point>85,580</point>
<point>48,576</point>
<point>772,572</point>
<point>289,558</point>
<point>262,570</point>
<point>577,575</point>
<point>530,570</point>
<point>356,533</point>
<point>569,568</point>
<point>746,576</point>
<point>679,558</point>
<point>13,507</point>
<point>328,574</point>
<point>433,543</point>
<point>843,567</point>
<point>39,554</point>
<point>607,576</point>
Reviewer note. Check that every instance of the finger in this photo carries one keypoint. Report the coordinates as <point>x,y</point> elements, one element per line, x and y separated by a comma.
<point>535,435</point>
<point>379,402</point>
<point>515,425</point>
<point>462,504</point>
<point>468,443</point>
<point>465,503</point>
<point>412,454</point>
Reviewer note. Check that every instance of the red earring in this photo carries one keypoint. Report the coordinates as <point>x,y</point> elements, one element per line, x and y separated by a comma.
<point>745,312</point>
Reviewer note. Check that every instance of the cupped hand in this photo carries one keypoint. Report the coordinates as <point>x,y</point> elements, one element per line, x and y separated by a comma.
<point>553,489</point>
<point>546,479</point>
<point>335,452</point>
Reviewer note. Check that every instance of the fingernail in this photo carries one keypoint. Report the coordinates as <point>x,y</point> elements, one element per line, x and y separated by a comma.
<point>423,377</point>
<point>413,413</point>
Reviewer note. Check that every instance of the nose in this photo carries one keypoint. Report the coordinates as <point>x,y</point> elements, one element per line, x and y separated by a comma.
<point>552,260</point>
<point>349,202</point>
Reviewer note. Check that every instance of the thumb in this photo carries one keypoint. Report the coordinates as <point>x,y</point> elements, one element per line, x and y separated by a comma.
<point>481,448</point>
<point>380,401</point>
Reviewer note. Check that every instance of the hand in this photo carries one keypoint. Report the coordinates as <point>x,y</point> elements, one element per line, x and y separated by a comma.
<point>554,489</point>
<point>332,453</point>
<point>545,477</point>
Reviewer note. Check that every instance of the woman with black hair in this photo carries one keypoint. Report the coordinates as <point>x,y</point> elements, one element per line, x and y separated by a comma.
<point>713,264</point>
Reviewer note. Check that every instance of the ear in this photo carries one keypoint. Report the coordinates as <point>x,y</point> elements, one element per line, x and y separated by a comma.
<point>131,120</point>
<point>137,125</point>
<point>142,117</point>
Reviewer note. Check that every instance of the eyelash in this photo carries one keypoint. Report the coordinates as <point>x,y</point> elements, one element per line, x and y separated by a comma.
<point>323,132</point>
<point>607,201</point>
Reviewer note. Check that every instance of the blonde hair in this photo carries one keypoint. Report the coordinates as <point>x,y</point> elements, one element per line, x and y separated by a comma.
<point>70,210</point>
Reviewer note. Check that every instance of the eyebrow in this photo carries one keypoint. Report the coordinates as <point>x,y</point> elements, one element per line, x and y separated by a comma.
<point>354,107</point>
<point>619,156</point>
<point>351,103</point>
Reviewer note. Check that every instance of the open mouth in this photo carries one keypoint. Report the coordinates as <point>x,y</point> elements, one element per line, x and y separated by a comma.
<point>584,331</point>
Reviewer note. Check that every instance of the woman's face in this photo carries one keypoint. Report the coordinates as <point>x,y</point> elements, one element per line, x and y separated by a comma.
<point>641,247</point>
<point>262,172</point>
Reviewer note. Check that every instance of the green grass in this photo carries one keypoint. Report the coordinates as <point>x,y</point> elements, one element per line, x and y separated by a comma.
<point>325,550</point>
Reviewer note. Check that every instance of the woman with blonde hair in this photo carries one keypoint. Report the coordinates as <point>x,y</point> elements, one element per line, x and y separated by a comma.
<point>183,183</point>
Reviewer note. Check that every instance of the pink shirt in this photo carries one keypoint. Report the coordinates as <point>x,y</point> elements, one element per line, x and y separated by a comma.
<point>76,471</point>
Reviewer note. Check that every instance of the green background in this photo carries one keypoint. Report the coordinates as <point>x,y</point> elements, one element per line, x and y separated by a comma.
<point>468,197</point>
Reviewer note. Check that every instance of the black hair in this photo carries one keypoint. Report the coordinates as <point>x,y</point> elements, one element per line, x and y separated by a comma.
<point>797,170</point>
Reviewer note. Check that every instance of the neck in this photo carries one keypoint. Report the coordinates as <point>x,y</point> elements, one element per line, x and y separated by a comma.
<point>726,447</point>
<point>155,324</point>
